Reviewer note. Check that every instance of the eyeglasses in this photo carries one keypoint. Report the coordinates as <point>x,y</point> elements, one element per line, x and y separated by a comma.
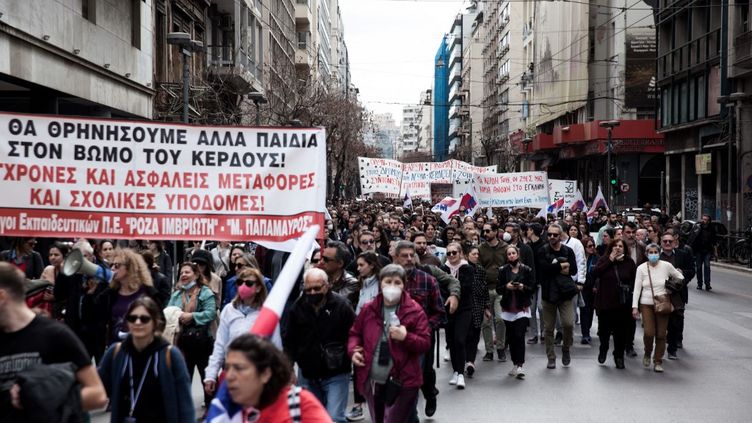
<point>667,241</point>
<point>485,231</point>
<point>133,318</point>
<point>313,289</point>
<point>589,246</point>
<point>246,282</point>
<point>368,242</point>
<point>240,265</point>
<point>315,261</point>
<point>452,253</point>
<point>327,259</point>
<point>553,235</point>
<point>115,265</point>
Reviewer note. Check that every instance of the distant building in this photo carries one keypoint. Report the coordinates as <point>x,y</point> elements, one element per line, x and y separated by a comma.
<point>383,134</point>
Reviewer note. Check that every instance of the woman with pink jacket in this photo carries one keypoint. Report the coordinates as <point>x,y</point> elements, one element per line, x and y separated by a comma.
<point>386,343</point>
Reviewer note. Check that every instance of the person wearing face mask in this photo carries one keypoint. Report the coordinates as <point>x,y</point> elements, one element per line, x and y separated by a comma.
<point>315,338</point>
<point>236,319</point>
<point>198,305</point>
<point>650,281</point>
<point>385,345</point>
<point>615,275</point>
<point>516,286</point>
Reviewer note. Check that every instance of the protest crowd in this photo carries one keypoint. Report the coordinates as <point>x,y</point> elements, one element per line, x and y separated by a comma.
<point>390,292</point>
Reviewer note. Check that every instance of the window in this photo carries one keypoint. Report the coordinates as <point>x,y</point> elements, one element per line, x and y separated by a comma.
<point>89,10</point>
<point>666,107</point>
<point>684,103</point>
<point>701,101</point>
<point>136,23</point>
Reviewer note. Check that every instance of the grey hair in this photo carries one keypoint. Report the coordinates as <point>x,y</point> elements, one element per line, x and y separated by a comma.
<point>653,245</point>
<point>342,252</point>
<point>403,245</point>
<point>316,273</point>
<point>556,225</point>
<point>391,270</point>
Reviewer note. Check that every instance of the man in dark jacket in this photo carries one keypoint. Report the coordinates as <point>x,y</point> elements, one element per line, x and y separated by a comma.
<point>554,261</point>
<point>534,232</point>
<point>315,338</point>
<point>682,261</point>
<point>702,246</point>
<point>28,340</point>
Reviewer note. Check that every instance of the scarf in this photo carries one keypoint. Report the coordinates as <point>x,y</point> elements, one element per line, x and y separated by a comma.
<point>455,269</point>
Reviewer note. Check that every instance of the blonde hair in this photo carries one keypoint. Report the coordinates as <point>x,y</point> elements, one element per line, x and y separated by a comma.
<point>261,293</point>
<point>138,272</point>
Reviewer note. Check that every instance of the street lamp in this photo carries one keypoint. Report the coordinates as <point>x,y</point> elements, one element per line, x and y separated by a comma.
<point>258,99</point>
<point>187,47</point>
<point>610,125</point>
<point>526,143</point>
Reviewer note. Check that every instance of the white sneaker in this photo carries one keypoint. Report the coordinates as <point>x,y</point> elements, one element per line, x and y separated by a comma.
<point>460,382</point>
<point>455,376</point>
<point>513,372</point>
<point>520,373</point>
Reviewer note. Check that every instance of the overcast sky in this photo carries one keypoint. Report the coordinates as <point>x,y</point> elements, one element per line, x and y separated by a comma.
<point>392,44</point>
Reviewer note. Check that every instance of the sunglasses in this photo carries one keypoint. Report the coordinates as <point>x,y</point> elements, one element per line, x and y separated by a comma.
<point>240,265</point>
<point>667,241</point>
<point>315,261</point>
<point>452,253</point>
<point>133,318</point>
<point>589,246</point>
<point>368,242</point>
<point>313,289</point>
<point>115,265</point>
<point>327,259</point>
<point>246,282</point>
<point>485,231</point>
<point>552,235</point>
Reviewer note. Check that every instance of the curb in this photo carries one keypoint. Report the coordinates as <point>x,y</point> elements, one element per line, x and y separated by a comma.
<point>736,267</point>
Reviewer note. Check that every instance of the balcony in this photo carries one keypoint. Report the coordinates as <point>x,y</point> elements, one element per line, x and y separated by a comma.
<point>743,50</point>
<point>234,65</point>
<point>303,14</point>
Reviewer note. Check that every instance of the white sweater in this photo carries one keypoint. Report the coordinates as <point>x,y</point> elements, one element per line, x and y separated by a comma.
<point>232,323</point>
<point>660,273</point>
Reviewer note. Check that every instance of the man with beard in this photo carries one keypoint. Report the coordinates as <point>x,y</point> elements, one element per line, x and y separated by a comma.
<point>421,250</point>
<point>424,289</point>
<point>682,261</point>
<point>611,223</point>
<point>534,231</point>
<point>493,254</point>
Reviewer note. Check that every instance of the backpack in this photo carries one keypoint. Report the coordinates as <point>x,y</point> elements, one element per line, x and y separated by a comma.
<point>168,354</point>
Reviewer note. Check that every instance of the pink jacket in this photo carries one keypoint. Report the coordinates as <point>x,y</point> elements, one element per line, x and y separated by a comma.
<point>366,332</point>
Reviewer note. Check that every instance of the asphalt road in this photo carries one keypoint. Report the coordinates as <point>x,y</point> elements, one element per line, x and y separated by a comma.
<point>711,381</point>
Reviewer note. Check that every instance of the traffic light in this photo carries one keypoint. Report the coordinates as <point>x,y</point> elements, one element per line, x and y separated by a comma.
<point>612,179</point>
<point>616,188</point>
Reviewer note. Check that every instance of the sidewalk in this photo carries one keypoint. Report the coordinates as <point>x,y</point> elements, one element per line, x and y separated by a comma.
<point>730,266</point>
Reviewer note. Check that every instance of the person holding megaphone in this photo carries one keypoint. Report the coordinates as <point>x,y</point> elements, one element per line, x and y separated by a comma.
<point>130,280</point>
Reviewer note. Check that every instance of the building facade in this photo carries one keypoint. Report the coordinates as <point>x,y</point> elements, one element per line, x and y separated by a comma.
<point>441,103</point>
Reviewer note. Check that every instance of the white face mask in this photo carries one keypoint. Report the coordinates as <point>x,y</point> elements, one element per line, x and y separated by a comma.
<point>391,293</point>
<point>506,237</point>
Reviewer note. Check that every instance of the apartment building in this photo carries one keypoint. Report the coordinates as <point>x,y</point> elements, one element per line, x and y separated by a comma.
<point>90,58</point>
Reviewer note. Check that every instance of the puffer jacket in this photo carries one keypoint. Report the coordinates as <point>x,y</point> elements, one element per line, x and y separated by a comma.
<point>366,332</point>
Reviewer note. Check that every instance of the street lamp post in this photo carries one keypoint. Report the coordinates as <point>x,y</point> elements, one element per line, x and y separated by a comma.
<point>610,125</point>
<point>526,143</point>
<point>258,99</point>
<point>187,47</point>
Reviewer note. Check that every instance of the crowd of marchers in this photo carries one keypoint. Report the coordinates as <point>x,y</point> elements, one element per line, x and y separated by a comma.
<point>364,317</point>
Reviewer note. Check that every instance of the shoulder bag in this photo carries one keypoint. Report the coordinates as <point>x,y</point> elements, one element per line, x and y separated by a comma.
<point>662,302</point>
<point>625,295</point>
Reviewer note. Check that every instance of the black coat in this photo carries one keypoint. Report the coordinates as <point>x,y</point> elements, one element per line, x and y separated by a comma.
<point>549,269</point>
<point>683,260</point>
<point>34,264</point>
<point>50,393</point>
<point>607,295</point>
<point>518,298</point>
<point>308,331</point>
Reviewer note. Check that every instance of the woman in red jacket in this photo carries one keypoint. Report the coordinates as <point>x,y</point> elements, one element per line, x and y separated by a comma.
<point>386,342</point>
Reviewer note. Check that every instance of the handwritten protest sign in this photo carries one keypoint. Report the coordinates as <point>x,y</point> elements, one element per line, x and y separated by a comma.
<point>415,180</point>
<point>523,189</point>
<point>560,188</point>
<point>119,179</point>
<point>380,176</point>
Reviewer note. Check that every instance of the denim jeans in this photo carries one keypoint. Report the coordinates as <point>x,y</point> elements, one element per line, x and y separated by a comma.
<point>702,267</point>
<point>332,393</point>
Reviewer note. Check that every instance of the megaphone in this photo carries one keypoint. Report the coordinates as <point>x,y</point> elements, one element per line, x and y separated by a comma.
<point>75,263</point>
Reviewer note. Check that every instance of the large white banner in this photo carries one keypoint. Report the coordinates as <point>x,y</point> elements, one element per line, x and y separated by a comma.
<point>396,179</point>
<point>100,178</point>
<point>561,188</point>
<point>522,189</point>
<point>380,176</point>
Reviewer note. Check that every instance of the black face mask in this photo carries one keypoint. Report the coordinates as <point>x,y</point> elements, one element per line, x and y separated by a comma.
<point>314,299</point>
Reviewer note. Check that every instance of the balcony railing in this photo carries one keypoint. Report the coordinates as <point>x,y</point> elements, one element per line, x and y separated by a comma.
<point>226,57</point>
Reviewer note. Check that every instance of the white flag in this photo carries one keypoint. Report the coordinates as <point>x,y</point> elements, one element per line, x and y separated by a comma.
<point>600,201</point>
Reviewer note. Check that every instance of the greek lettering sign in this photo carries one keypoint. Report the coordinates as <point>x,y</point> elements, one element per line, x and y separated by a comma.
<point>521,189</point>
<point>118,179</point>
